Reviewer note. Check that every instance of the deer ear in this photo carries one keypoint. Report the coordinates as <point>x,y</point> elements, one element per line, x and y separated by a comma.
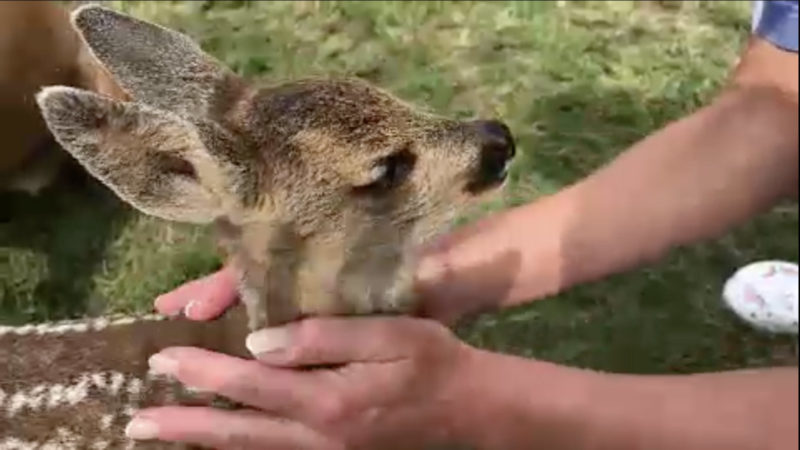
<point>153,159</point>
<point>155,65</point>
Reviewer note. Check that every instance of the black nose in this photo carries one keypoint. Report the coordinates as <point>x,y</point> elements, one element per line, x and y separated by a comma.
<point>497,149</point>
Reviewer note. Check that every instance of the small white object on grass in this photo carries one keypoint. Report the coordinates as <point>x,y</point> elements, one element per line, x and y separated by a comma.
<point>765,295</point>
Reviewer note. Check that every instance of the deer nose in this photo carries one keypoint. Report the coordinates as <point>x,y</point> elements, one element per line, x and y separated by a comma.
<point>497,149</point>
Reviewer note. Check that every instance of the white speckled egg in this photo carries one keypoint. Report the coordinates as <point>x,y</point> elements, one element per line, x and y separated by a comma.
<point>765,294</point>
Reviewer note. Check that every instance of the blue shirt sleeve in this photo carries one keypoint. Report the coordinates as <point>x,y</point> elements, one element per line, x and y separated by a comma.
<point>776,21</point>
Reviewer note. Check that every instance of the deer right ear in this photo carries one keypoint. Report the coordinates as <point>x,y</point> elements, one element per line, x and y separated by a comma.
<point>155,65</point>
<point>155,160</point>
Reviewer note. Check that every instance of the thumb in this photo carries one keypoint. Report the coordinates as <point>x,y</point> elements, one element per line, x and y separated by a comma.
<point>333,341</point>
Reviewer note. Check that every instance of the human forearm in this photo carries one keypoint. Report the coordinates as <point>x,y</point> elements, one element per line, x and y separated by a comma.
<point>540,405</point>
<point>692,180</point>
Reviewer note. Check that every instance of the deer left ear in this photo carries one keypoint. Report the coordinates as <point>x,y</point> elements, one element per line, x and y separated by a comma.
<point>155,65</point>
<point>155,160</point>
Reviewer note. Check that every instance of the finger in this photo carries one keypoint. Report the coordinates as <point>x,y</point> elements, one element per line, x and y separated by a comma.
<point>322,341</point>
<point>288,393</point>
<point>201,299</point>
<point>214,428</point>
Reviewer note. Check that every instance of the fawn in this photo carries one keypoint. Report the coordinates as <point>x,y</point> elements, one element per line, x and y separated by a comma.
<point>320,190</point>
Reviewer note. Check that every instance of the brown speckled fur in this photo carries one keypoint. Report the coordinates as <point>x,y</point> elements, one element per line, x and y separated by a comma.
<point>286,173</point>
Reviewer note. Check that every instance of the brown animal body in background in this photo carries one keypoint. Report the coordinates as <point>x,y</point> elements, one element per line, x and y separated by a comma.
<point>38,47</point>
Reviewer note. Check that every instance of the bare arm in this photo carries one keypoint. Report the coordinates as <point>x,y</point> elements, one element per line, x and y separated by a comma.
<point>540,405</point>
<point>692,180</point>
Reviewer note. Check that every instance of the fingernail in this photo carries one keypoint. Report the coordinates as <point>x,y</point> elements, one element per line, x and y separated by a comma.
<point>162,364</point>
<point>267,340</point>
<point>139,428</point>
<point>158,306</point>
<point>187,310</point>
<point>196,390</point>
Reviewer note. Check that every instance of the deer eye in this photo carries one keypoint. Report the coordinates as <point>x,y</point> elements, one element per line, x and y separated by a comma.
<point>388,173</point>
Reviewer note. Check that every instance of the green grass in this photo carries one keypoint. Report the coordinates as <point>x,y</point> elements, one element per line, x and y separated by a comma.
<point>577,81</point>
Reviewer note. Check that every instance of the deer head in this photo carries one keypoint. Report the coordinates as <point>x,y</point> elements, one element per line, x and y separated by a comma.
<point>321,189</point>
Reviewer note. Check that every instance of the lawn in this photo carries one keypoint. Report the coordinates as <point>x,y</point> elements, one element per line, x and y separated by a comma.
<point>577,81</point>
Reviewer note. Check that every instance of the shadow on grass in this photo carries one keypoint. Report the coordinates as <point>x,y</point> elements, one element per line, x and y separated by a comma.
<point>664,318</point>
<point>68,226</point>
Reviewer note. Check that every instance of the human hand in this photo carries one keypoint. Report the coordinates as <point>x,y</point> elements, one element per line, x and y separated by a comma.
<point>398,383</point>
